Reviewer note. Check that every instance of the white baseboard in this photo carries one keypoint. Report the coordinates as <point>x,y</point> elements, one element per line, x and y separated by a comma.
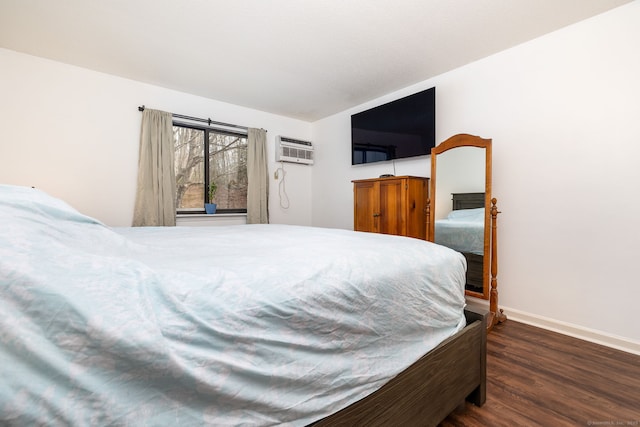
<point>576,331</point>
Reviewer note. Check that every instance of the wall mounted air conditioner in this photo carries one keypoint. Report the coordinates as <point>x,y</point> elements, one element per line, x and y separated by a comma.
<point>294,150</point>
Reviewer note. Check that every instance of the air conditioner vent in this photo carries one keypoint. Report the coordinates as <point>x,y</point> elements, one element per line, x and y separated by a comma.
<point>294,150</point>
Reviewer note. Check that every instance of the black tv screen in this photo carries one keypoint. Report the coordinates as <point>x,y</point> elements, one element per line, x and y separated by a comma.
<point>402,128</point>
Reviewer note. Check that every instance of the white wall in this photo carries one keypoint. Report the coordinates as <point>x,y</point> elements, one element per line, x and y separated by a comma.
<point>564,115</point>
<point>74,133</point>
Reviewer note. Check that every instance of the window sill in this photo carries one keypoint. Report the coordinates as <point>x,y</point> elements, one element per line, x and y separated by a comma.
<point>195,220</point>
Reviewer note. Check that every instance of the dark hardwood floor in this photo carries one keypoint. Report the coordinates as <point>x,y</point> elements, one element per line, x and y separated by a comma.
<point>540,378</point>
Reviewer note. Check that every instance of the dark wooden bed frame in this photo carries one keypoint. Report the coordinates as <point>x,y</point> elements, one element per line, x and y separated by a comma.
<point>431,388</point>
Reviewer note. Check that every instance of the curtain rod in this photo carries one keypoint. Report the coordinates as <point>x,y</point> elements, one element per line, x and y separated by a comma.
<point>196,119</point>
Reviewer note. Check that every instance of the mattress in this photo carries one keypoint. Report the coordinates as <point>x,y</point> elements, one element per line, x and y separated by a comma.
<point>240,325</point>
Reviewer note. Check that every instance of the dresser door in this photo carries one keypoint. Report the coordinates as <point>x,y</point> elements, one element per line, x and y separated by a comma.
<point>392,217</point>
<point>366,212</point>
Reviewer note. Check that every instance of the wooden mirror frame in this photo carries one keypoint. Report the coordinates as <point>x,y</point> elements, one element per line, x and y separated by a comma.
<point>490,262</point>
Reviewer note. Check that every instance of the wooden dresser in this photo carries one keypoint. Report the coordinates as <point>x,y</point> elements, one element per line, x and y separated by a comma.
<point>392,205</point>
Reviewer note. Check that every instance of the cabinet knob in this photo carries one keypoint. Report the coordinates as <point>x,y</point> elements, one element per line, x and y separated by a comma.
<point>375,215</point>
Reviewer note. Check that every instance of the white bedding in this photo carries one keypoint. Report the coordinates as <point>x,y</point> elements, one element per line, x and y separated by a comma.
<point>241,325</point>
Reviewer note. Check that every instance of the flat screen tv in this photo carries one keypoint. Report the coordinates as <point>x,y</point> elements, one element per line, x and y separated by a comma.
<point>399,129</point>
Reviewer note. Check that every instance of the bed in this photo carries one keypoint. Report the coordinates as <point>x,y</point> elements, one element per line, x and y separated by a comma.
<point>463,230</point>
<point>240,325</point>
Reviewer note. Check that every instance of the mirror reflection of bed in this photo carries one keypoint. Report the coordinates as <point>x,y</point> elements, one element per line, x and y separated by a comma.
<point>463,230</point>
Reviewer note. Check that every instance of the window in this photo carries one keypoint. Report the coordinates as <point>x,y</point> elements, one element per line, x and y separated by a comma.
<point>226,165</point>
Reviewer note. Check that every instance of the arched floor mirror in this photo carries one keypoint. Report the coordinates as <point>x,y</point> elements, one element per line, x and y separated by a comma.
<point>463,214</point>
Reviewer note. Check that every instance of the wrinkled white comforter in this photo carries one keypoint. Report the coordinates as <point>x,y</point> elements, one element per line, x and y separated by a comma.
<point>241,325</point>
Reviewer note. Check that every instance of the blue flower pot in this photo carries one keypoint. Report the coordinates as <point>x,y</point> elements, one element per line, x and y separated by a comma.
<point>210,208</point>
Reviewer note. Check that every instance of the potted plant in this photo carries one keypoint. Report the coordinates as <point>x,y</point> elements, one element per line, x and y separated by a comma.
<point>210,207</point>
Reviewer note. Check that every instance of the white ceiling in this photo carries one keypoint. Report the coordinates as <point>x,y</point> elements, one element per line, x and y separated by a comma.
<point>298,58</point>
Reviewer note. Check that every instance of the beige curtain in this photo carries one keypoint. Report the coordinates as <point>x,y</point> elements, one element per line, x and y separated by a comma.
<point>258,177</point>
<point>155,195</point>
